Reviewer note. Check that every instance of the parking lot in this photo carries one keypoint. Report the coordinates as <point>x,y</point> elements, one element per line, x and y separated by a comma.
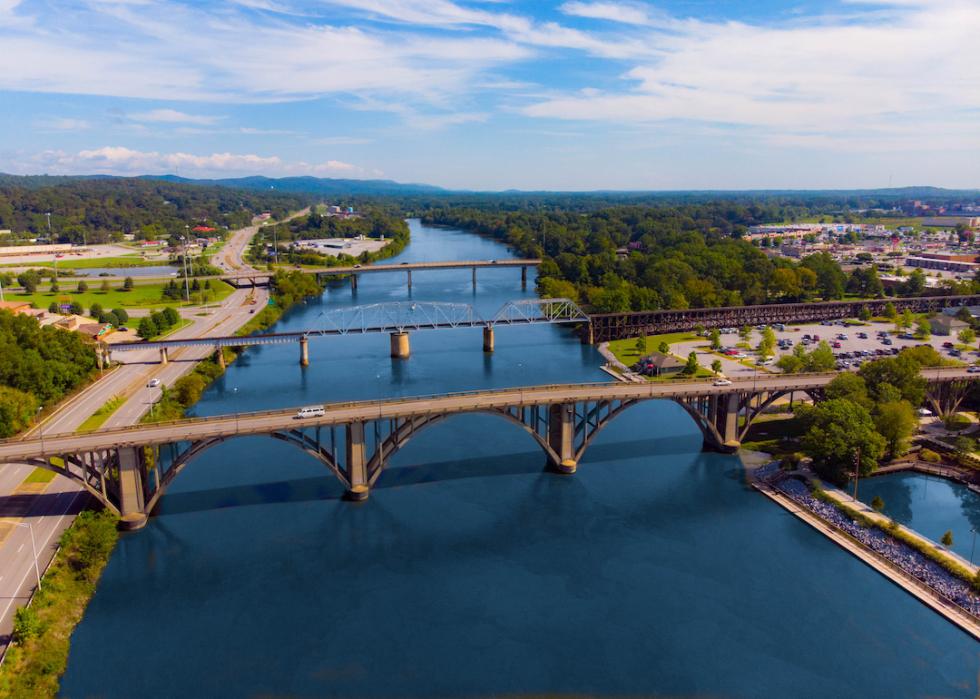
<point>853,342</point>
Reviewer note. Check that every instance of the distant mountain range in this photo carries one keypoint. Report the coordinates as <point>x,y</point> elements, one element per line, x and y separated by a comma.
<point>325,186</point>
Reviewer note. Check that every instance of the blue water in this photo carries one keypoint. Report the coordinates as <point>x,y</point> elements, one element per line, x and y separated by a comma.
<point>472,572</point>
<point>929,505</point>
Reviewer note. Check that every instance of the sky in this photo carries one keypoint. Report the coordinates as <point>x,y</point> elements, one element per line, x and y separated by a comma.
<point>498,94</point>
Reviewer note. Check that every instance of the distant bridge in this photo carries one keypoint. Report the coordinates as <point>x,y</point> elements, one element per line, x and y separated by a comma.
<point>396,318</point>
<point>129,469</point>
<point>263,278</point>
<point>617,326</point>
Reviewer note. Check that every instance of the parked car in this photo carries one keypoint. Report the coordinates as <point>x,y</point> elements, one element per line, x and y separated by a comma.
<point>886,341</point>
<point>948,344</point>
<point>863,336</point>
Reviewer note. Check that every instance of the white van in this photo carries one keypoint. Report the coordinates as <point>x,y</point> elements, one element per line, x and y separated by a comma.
<point>310,411</point>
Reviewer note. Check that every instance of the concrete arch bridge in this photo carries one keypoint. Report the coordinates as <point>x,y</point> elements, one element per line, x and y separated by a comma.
<point>129,469</point>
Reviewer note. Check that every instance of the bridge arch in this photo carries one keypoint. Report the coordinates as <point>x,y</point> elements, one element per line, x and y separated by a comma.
<point>71,475</point>
<point>404,433</point>
<point>296,438</point>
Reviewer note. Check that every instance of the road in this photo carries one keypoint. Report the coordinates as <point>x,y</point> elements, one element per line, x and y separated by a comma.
<point>50,512</point>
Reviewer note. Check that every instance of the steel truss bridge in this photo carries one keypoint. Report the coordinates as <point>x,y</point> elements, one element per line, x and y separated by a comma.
<point>129,469</point>
<point>395,317</point>
<point>617,326</point>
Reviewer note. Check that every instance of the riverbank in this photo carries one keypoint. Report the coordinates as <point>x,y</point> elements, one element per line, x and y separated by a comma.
<point>870,541</point>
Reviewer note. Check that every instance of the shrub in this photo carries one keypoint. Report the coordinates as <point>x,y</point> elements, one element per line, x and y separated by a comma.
<point>26,624</point>
<point>877,504</point>
<point>930,456</point>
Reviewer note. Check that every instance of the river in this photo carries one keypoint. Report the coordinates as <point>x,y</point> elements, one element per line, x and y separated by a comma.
<point>470,571</point>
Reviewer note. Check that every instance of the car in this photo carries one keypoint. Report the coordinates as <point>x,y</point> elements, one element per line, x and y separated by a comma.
<point>122,329</point>
<point>722,382</point>
<point>886,341</point>
<point>925,412</point>
<point>153,383</point>
<point>765,362</point>
<point>841,336</point>
<point>807,336</point>
<point>740,355</point>
<point>310,411</point>
<point>973,370</point>
<point>493,262</point>
<point>252,311</point>
<point>404,263</point>
<point>863,336</point>
<point>948,344</point>
<point>835,344</point>
<point>358,266</point>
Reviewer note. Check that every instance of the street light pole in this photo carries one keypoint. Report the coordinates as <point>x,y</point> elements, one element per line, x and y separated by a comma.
<point>40,427</point>
<point>187,287</point>
<point>37,569</point>
<point>857,472</point>
<point>974,546</point>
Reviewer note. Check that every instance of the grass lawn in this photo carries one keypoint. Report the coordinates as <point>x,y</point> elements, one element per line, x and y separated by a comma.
<point>119,262</point>
<point>625,350</point>
<point>40,475</point>
<point>768,433</point>
<point>182,323</point>
<point>140,296</point>
<point>96,420</point>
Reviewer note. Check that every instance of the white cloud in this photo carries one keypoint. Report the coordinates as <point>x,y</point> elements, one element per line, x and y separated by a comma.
<point>625,13</point>
<point>172,116</point>
<point>120,160</point>
<point>63,124</point>
<point>920,68</point>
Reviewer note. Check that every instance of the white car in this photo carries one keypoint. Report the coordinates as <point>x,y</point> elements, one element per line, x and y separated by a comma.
<point>740,355</point>
<point>722,382</point>
<point>153,383</point>
<point>310,411</point>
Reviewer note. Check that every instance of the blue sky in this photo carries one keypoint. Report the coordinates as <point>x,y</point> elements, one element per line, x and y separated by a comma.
<point>498,94</point>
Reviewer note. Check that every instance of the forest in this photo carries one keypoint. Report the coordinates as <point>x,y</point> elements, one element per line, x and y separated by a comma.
<point>624,258</point>
<point>97,210</point>
<point>40,366</point>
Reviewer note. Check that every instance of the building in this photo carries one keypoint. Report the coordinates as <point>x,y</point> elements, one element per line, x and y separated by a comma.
<point>951,221</point>
<point>94,330</point>
<point>944,262</point>
<point>944,324</point>
<point>659,364</point>
<point>15,306</point>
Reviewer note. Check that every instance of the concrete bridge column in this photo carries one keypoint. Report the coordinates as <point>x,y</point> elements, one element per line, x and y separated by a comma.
<point>409,272</point>
<point>304,352</point>
<point>164,355</point>
<point>561,434</point>
<point>488,338</point>
<point>220,357</point>
<point>131,501</point>
<point>356,463</point>
<point>474,279</point>
<point>400,348</point>
<point>726,421</point>
<point>353,282</point>
<point>523,277</point>
<point>588,335</point>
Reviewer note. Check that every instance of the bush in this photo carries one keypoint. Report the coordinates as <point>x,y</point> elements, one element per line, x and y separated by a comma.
<point>26,624</point>
<point>82,287</point>
<point>121,314</point>
<point>930,456</point>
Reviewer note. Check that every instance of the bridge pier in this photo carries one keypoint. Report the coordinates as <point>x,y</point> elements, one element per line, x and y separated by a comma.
<point>164,355</point>
<point>304,352</point>
<point>561,435</point>
<point>523,278</point>
<point>588,335</point>
<point>358,489</point>
<point>726,422</point>
<point>353,282</point>
<point>474,279</point>
<point>488,338</point>
<point>409,273</point>
<point>220,357</point>
<point>400,348</point>
<point>131,502</point>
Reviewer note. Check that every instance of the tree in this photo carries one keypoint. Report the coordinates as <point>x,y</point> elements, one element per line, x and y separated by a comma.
<point>906,320</point>
<point>105,288</point>
<point>95,310</point>
<point>53,307</point>
<point>17,409</point>
<point>663,347</point>
<point>821,359</point>
<point>171,316</point>
<point>967,336</point>
<point>127,284</point>
<point>82,287</point>
<point>745,333</point>
<point>716,367</point>
<point>850,387</point>
<point>965,315</point>
<point>835,431</point>
<point>121,314</point>
<point>767,345</point>
<point>896,422</point>
<point>692,366</point>
<point>890,311</point>
<point>29,280</point>
<point>790,364</point>
<point>877,504</point>
<point>915,284</point>
<point>947,539</point>
<point>894,378</point>
<point>54,286</point>
<point>147,328</point>
<point>864,314</point>
<point>715,339</point>
<point>641,345</point>
<point>923,329</point>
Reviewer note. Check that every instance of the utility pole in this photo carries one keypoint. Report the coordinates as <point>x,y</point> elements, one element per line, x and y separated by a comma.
<point>187,286</point>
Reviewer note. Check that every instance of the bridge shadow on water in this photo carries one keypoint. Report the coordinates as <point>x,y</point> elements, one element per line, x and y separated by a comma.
<point>327,487</point>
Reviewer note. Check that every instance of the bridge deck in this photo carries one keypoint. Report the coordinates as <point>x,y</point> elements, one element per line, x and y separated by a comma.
<point>401,267</point>
<point>343,413</point>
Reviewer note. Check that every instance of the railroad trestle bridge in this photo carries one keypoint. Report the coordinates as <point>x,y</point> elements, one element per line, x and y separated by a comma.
<point>129,469</point>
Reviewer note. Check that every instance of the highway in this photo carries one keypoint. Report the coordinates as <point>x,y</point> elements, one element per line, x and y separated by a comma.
<point>50,512</point>
<point>343,413</point>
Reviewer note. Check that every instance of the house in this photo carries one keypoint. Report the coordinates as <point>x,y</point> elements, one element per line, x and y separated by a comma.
<point>944,324</point>
<point>15,307</point>
<point>94,330</point>
<point>659,364</point>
